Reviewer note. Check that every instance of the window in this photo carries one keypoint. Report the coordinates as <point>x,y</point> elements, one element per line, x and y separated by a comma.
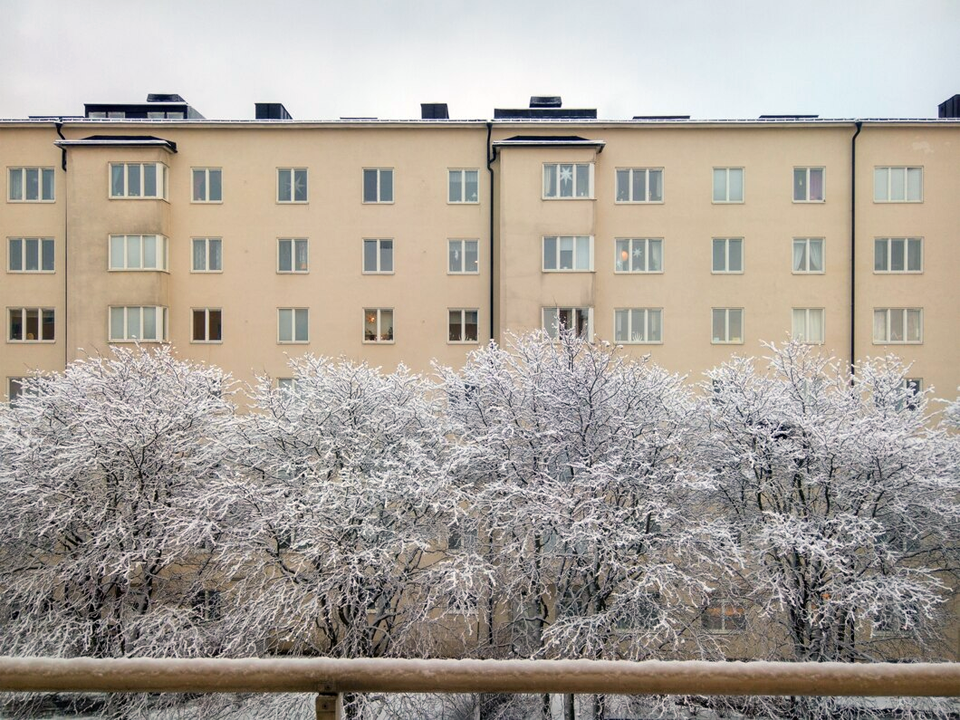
<point>462,537</point>
<point>206,605</point>
<point>378,185</point>
<point>378,256</point>
<point>913,388</point>
<point>463,256</point>
<point>896,622</point>
<point>287,384</point>
<point>728,255</point>
<point>291,185</point>
<point>293,325</point>
<point>807,255</point>
<point>898,255</point>
<point>639,255</point>
<point>207,185</point>
<point>808,184</point>
<point>292,255</point>
<point>727,325</point>
<point>14,389</point>
<point>207,255</point>
<point>207,325</point>
<point>463,326</point>
<point>646,614</point>
<point>898,325</point>
<point>30,255</point>
<point>568,252</point>
<point>146,324</point>
<point>378,325</point>
<point>577,320</point>
<point>808,325</point>
<point>724,616</point>
<point>728,185</point>
<point>138,180</point>
<point>567,180</point>
<point>138,252</point>
<point>898,184</point>
<point>30,184</point>
<point>31,325</point>
<point>463,186</point>
<point>636,185</point>
<point>638,325</point>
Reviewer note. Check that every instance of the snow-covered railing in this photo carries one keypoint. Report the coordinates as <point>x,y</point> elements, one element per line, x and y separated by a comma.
<point>328,677</point>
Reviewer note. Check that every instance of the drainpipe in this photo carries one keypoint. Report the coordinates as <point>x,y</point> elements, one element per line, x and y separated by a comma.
<point>66,246</point>
<point>491,156</point>
<point>853,249</point>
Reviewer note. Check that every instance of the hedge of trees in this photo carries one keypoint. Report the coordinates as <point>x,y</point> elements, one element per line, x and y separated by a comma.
<point>548,500</point>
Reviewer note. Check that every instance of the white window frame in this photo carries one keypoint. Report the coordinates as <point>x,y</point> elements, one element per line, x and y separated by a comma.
<point>726,199</point>
<point>889,314</point>
<point>721,604</point>
<point>807,242</point>
<point>883,186</point>
<point>631,250</point>
<point>726,339</point>
<point>577,241</point>
<point>205,173</point>
<point>294,173</point>
<point>462,174</point>
<point>381,336</point>
<point>888,243</point>
<point>287,384</point>
<point>15,389</point>
<point>463,326</point>
<point>379,244</point>
<point>207,241</point>
<point>43,245</point>
<point>294,313</point>
<point>551,328</point>
<point>41,172</point>
<point>806,184</point>
<point>161,318</point>
<point>42,312</point>
<point>726,256</point>
<point>162,179</point>
<point>163,252</point>
<point>206,339</point>
<point>294,244</point>
<point>631,180</point>
<point>575,174</point>
<point>459,245</point>
<point>380,172</point>
<point>648,312</point>
<point>800,325</point>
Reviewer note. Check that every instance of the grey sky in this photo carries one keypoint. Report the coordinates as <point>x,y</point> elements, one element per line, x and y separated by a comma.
<point>705,58</point>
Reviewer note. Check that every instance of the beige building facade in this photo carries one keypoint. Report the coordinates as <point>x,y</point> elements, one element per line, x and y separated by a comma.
<point>245,242</point>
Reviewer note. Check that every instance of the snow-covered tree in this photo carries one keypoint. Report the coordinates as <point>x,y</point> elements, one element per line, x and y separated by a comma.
<point>106,520</point>
<point>579,465</point>
<point>345,498</point>
<point>844,498</point>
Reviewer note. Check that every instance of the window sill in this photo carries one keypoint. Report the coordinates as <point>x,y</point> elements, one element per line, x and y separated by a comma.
<point>566,271</point>
<point>809,202</point>
<point>897,202</point>
<point>807,272</point>
<point>31,342</point>
<point>379,342</point>
<point>465,272</point>
<point>898,342</point>
<point>566,199</point>
<point>638,202</point>
<point>638,272</point>
<point>138,199</point>
<point>138,270</point>
<point>293,202</point>
<point>31,272</point>
<point>898,272</point>
<point>206,342</point>
<point>31,202</point>
<point>728,202</point>
<point>138,342</point>
<point>726,342</point>
<point>463,342</point>
<point>378,202</point>
<point>463,202</point>
<point>206,272</point>
<point>293,272</point>
<point>726,272</point>
<point>638,342</point>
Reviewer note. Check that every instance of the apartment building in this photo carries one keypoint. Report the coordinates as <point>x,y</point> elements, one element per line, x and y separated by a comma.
<point>244,242</point>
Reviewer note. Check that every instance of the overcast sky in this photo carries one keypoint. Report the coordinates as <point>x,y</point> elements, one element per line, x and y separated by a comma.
<point>705,58</point>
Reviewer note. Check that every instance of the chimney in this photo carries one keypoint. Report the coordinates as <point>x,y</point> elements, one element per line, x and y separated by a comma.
<point>546,101</point>
<point>434,111</point>
<point>950,108</point>
<point>271,111</point>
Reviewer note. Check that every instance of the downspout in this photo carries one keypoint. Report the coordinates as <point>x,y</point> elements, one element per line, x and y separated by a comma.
<point>66,245</point>
<point>853,249</point>
<point>491,157</point>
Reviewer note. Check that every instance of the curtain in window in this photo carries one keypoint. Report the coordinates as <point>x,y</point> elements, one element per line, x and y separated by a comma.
<point>816,256</point>
<point>913,326</point>
<point>816,184</point>
<point>880,325</point>
<point>655,259</point>
<point>815,329</point>
<point>301,250</point>
<point>800,256</point>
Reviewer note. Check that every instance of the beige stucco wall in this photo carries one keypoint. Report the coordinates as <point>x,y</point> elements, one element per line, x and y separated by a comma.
<point>249,290</point>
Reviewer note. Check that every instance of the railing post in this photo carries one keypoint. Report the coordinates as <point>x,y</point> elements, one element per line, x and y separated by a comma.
<point>329,707</point>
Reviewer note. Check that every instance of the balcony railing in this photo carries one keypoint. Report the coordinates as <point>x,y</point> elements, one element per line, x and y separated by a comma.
<point>329,677</point>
